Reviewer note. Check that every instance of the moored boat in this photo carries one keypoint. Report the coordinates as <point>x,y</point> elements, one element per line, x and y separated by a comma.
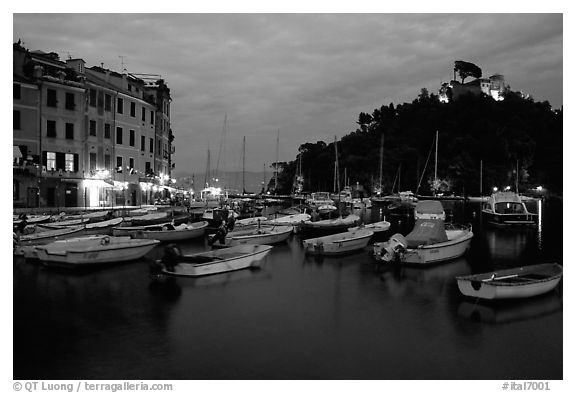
<point>212,262</point>
<point>340,223</point>
<point>263,234</point>
<point>340,243</point>
<point>507,209</point>
<point>43,236</point>
<point>376,227</point>
<point>519,282</point>
<point>165,232</point>
<point>429,242</point>
<point>102,227</point>
<point>94,250</point>
<point>429,210</point>
<point>64,223</point>
<point>292,219</point>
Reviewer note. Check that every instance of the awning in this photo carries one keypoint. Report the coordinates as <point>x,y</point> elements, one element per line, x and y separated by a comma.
<point>16,153</point>
<point>97,183</point>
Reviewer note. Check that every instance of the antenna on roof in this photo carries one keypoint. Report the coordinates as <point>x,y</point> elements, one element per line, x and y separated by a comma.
<point>123,64</point>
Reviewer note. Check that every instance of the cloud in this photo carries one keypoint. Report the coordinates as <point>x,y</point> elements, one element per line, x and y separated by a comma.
<point>309,75</point>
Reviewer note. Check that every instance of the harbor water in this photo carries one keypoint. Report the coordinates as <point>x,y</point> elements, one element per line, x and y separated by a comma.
<point>298,317</point>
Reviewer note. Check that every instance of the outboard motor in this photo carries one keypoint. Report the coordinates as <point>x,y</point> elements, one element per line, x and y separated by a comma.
<point>390,251</point>
<point>219,235</point>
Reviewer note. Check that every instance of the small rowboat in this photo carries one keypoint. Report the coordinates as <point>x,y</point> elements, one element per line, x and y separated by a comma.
<point>102,227</point>
<point>263,235</point>
<point>64,223</point>
<point>334,224</point>
<point>165,232</point>
<point>520,282</point>
<point>340,243</point>
<point>43,236</point>
<point>292,219</point>
<point>94,250</point>
<point>216,261</point>
<point>251,221</point>
<point>376,227</point>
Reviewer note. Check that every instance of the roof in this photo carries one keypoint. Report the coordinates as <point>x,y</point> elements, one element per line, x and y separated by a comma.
<point>429,207</point>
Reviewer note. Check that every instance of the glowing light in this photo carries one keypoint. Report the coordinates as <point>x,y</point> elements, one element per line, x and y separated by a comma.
<point>539,188</point>
<point>495,189</point>
<point>507,188</point>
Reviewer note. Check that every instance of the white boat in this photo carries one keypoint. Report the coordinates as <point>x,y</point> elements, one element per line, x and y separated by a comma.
<point>31,220</point>
<point>340,223</point>
<point>429,242</point>
<point>326,209</point>
<point>148,218</point>
<point>265,234</point>
<point>429,210</point>
<point>507,209</point>
<point>102,227</point>
<point>64,223</point>
<point>318,199</point>
<point>94,250</point>
<point>251,221</point>
<point>520,282</point>
<point>43,236</point>
<point>292,219</point>
<point>340,243</point>
<point>216,261</point>
<point>376,227</point>
<point>164,232</point>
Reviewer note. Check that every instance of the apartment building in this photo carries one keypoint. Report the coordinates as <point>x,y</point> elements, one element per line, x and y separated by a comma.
<point>89,136</point>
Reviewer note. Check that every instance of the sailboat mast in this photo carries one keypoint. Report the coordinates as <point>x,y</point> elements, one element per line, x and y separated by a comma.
<point>381,161</point>
<point>436,161</point>
<point>276,171</point>
<point>244,165</point>
<point>517,176</point>
<point>480,177</point>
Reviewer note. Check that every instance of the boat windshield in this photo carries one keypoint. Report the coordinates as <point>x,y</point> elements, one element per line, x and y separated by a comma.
<point>509,208</point>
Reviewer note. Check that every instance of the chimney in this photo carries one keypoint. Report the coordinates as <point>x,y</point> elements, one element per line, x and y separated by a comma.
<point>38,71</point>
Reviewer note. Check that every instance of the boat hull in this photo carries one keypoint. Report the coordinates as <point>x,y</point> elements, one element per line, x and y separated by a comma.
<point>512,283</point>
<point>338,244</point>
<point>239,257</point>
<point>509,219</point>
<point>94,252</point>
<point>267,236</point>
<point>432,254</point>
<point>192,231</point>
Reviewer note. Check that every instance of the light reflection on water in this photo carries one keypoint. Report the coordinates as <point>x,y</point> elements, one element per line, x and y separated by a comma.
<point>298,317</point>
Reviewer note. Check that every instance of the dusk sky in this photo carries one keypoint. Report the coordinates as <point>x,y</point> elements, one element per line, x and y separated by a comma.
<point>307,75</point>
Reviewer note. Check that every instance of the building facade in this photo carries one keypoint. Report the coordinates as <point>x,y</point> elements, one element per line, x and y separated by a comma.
<point>87,137</point>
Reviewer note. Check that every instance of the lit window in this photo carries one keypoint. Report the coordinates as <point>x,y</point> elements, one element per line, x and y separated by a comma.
<point>69,162</point>
<point>50,160</point>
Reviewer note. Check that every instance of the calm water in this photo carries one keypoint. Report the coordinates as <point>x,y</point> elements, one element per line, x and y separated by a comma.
<point>296,318</point>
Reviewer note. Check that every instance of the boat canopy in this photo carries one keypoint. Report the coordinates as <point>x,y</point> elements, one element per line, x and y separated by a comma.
<point>429,207</point>
<point>426,232</point>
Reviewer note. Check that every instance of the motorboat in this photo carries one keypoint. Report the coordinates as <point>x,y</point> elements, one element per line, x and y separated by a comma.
<point>507,209</point>
<point>326,209</point>
<point>340,223</point>
<point>43,235</point>
<point>166,232</point>
<point>263,234</point>
<point>292,219</point>
<point>251,221</point>
<point>212,262</point>
<point>519,282</point>
<point>431,241</point>
<point>94,251</point>
<point>429,210</point>
<point>340,243</point>
<point>102,227</point>
<point>318,199</point>
<point>64,223</point>
<point>376,227</point>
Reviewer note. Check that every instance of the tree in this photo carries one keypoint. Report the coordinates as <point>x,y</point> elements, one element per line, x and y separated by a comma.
<point>466,69</point>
